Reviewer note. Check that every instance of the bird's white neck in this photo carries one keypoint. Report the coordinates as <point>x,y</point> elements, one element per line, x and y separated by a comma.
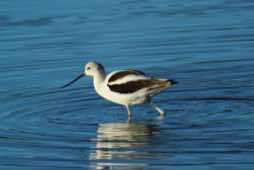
<point>98,79</point>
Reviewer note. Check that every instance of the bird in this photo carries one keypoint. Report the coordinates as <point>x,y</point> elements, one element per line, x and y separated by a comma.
<point>126,87</point>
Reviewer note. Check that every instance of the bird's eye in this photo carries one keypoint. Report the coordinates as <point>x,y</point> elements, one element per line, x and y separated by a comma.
<point>88,68</point>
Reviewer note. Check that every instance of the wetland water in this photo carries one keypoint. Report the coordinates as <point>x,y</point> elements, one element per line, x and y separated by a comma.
<point>207,46</point>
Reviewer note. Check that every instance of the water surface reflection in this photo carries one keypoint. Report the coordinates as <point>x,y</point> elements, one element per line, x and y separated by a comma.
<point>123,145</point>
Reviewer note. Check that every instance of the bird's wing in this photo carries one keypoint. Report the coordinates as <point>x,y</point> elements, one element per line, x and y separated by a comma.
<point>123,76</point>
<point>131,81</point>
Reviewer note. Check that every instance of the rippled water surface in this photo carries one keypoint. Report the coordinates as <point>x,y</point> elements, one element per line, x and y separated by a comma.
<point>207,46</point>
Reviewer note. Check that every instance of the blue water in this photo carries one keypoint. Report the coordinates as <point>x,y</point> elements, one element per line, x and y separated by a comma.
<point>207,46</point>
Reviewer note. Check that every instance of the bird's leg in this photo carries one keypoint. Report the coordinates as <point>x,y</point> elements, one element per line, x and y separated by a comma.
<point>129,110</point>
<point>162,113</point>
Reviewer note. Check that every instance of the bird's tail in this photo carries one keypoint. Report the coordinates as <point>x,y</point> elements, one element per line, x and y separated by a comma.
<point>160,85</point>
<point>171,82</point>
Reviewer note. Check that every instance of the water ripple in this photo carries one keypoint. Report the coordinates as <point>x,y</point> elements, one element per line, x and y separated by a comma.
<point>206,46</point>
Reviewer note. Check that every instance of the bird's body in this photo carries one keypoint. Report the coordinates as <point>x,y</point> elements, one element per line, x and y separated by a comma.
<point>125,87</point>
<point>129,88</point>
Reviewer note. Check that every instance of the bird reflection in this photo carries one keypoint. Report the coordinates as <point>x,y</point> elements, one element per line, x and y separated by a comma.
<point>121,145</point>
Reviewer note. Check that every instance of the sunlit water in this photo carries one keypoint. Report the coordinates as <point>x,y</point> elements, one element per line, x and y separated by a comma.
<point>207,46</point>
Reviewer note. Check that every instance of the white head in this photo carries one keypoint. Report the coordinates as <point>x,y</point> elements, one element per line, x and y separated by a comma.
<point>92,69</point>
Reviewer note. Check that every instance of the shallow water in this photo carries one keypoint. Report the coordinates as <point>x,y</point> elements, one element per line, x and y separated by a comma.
<point>206,46</point>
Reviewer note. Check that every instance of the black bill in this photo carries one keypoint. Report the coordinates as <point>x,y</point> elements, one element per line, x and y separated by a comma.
<point>73,81</point>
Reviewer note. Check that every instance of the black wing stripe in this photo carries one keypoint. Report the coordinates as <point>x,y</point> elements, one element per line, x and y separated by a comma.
<point>133,86</point>
<point>122,74</point>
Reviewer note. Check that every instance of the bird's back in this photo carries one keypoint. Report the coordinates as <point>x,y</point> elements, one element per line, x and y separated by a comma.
<point>131,81</point>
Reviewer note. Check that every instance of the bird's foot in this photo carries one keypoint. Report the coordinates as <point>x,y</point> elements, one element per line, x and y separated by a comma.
<point>162,112</point>
<point>129,119</point>
<point>159,110</point>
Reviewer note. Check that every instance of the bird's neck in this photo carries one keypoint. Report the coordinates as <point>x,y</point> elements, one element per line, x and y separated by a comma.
<point>98,79</point>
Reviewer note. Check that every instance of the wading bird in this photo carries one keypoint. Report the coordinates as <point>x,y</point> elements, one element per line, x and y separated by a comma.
<point>125,87</point>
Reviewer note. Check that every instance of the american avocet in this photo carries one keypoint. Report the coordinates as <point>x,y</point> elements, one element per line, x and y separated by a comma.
<point>125,87</point>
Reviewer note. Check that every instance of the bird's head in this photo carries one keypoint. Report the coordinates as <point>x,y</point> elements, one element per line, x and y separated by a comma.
<point>91,69</point>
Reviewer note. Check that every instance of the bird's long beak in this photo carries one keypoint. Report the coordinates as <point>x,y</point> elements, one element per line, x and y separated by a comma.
<point>73,81</point>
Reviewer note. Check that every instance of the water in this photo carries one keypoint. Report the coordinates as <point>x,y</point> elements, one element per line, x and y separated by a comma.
<point>206,46</point>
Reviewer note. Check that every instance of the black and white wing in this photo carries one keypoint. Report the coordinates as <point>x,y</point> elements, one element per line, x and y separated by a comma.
<point>131,81</point>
